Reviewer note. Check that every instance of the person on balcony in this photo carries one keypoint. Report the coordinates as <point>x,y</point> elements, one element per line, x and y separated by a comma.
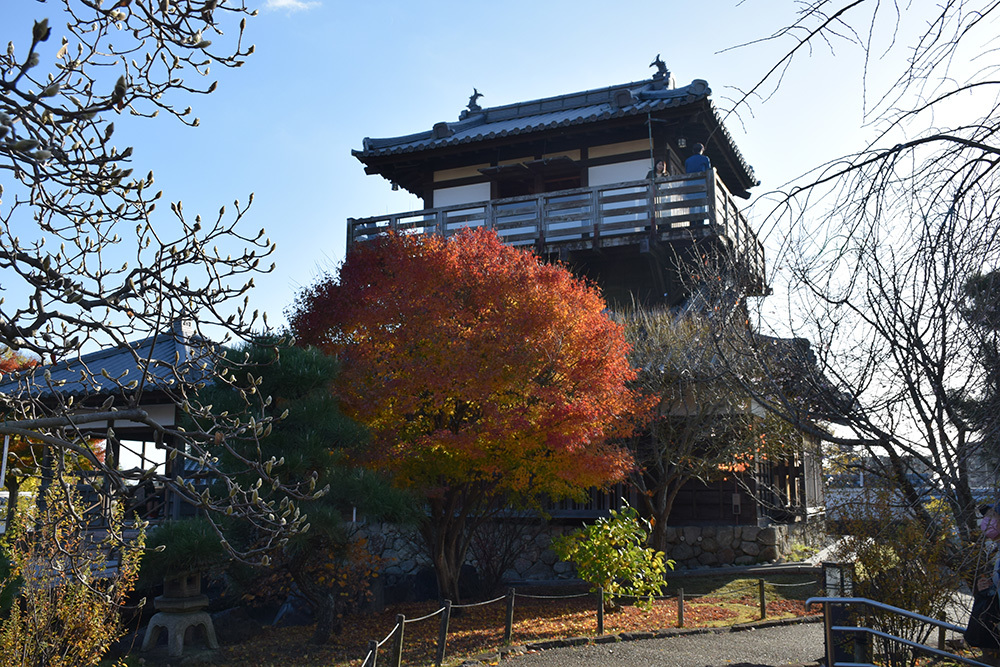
<point>659,171</point>
<point>698,162</point>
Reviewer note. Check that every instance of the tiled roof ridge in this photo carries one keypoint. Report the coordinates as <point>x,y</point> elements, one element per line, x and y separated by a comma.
<point>648,90</point>
<point>583,98</point>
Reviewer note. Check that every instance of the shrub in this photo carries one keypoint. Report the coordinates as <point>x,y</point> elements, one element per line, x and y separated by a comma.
<point>335,580</point>
<point>497,545</point>
<point>609,554</point>
<point>68,611</point>
<point>899,563</point>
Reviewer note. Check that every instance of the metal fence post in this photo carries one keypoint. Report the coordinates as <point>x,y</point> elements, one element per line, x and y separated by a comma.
<point>443,633</point>
<point>828,633</point>
<point>680,607</point>
<point>600,611</point>
<point>397,645</point>
<point>763,599</point>
<point>508,629</point>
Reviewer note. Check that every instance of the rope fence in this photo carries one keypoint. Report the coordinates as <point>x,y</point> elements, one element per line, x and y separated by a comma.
<point>479,604</point>
<point>373,646</point>
<point>397,633</point>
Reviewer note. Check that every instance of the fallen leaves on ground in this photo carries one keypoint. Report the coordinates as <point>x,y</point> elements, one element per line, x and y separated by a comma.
<point>478,629</point>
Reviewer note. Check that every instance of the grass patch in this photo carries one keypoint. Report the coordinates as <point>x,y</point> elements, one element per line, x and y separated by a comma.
<point>777,586</point>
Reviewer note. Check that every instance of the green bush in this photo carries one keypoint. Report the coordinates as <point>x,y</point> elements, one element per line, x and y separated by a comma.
<point>609,554</point>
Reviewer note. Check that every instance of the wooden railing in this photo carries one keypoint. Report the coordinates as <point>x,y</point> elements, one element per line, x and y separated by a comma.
<point>690,206</point>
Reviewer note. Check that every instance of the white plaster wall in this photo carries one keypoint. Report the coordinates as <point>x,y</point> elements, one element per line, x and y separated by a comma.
<point>462,194</point>
<point>606,174</point>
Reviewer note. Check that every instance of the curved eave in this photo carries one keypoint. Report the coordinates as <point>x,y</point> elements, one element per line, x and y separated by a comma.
<point>553,114</point>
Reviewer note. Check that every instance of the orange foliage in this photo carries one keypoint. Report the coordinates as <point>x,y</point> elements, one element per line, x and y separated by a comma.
<point>471,360</point>
<point>25,453</point>
<point>13,361</point>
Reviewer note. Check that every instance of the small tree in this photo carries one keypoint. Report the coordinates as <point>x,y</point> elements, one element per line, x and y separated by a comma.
<point>877,247</point>
<point>703,426</point>
<point>87,261</point>
<point>69,606</point>
<point>481,372</point>
<point>899,563</point>
<point>611,554</point>
<point>498,545</point>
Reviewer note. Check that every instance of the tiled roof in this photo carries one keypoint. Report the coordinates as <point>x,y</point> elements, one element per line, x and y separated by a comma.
<point>630,99</point>
<point>157,361</point>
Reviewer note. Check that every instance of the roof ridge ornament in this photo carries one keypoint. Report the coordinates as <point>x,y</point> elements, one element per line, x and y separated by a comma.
<point>662,77</point>
<point>473,103</point>
<point>662,72</point>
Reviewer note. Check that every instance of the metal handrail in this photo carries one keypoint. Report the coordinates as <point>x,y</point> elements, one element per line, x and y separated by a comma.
<point>830,629</point>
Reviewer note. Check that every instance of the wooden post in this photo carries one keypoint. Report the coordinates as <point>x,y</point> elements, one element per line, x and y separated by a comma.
<point>651,204</point>
<point>763,599</point>
<point>440,226</point>
<point>680,607</point>
<point>600,611</point>
<point>443,632</point>
<point>373,653</point>
<point>596,215</point>
<point>710,193</point>
<point>508,629</point>
<point>540,223</point>
<point>941,617</point>
<point>397,644</point>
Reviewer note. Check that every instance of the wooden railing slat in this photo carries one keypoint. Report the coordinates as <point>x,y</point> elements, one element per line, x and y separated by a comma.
<point>588,214</point>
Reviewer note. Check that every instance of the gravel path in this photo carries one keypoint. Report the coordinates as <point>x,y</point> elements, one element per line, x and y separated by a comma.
<point>796,644</point>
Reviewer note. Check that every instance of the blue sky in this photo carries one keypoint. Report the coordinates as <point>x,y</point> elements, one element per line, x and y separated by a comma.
<point>328,73</point>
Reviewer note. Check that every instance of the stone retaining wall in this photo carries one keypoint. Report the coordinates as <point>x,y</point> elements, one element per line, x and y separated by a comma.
<point>706,546</point>
<point>407,573</point>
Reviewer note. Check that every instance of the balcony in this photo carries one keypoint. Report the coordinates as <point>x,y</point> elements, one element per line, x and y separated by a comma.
<point>669,210</point>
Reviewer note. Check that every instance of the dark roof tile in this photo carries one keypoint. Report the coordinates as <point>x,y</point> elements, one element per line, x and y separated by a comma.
<point>523,118</point>
<point>157,361</point>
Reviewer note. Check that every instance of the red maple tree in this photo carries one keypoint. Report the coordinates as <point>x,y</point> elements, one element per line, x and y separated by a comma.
<point>483,374</point>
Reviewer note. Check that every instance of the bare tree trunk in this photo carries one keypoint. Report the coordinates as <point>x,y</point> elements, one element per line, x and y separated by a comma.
<point>328,621</point>
<point>663,504</point>
<point>444,531</point>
